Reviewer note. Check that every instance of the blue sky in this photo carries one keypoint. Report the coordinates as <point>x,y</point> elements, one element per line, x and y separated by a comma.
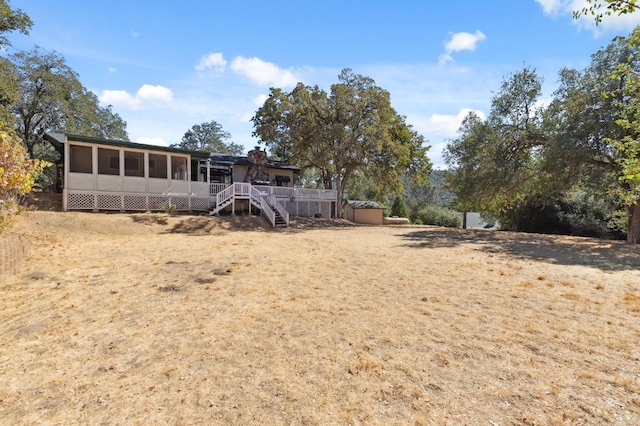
<point>166,66</point>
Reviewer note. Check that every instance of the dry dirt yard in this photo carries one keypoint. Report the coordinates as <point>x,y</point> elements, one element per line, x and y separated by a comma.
<point>156,319</point>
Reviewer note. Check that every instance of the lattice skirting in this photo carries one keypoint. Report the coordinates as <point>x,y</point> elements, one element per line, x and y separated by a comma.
<point>135,202</point>
<point>306,208</point>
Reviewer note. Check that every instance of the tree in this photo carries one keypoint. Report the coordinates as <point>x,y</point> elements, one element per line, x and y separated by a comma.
<point>349,131</point>
<point>595,8</point>
<point>9,84</point>
<point>399,207</point>
<point>209,137</point>
<point>494,162</point>
<point>12,20</point>
<point>626,145</point>
<point>597,127</point>
<point>51,98</point>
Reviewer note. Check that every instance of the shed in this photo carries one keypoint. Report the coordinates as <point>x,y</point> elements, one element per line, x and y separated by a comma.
<point>369,212</point>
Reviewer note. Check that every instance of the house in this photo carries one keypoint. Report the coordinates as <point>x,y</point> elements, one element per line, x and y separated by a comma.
<point>274,179</point>
<point>101,174</point>
<point>368,212</point>
<point>256,168</point>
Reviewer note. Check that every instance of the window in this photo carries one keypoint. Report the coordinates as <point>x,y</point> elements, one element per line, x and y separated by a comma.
<point>178,168</point>
<point>108,161</point>
<point>157,166</point>
<point>80,160</point>
<point>282,180</point>
<point>133,164</point>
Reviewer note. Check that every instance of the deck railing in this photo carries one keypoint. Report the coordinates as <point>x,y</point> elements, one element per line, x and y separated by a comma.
<point>215,188</point>
<point>279,191</point>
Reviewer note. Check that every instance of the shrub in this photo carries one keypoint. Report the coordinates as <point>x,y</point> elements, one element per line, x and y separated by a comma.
<point>434,215</point>
<point>399,207</point>
<point>17,174</point>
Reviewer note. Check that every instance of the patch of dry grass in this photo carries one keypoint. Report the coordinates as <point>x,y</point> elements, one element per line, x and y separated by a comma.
<point>131,319</point>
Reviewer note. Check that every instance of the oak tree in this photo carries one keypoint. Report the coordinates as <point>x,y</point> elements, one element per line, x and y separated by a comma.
<point>350,131</point>
<point>209,137</point>
<point>51,98</point>
<point>493,164</point>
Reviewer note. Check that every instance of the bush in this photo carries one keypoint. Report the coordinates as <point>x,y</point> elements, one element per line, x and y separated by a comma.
<point>17,174</point>
<point>434,215</point>
<point>399,208</point>
<point>580,213</point>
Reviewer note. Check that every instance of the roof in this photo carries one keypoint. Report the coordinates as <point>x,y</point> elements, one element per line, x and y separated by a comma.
<point>364,204</point>
<point>238,160</point>
<point>58,140</point>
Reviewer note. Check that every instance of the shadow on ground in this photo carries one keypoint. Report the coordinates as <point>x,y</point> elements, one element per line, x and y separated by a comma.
<point>216,225</point>
<point>208,225</point>
<point>606,255</point>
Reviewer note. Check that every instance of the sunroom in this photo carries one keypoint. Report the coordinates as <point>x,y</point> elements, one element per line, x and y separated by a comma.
<point>101,174</point>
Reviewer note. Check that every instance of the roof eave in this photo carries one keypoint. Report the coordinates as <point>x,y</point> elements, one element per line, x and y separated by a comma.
<point>60,138</point>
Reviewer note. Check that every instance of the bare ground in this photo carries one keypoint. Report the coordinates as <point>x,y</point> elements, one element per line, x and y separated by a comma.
<point>155,319</point>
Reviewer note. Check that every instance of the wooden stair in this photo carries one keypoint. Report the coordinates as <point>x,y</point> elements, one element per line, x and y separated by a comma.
<point>280,221</point>
<point>256,199</point>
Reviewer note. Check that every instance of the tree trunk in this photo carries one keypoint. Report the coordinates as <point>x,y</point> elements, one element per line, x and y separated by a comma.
<point>633,223</point>
<point>339,191</point>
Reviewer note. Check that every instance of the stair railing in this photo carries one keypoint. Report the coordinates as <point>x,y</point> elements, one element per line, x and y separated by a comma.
<point>277,206</point>
<point>223,196</point>
<point>258,199</point>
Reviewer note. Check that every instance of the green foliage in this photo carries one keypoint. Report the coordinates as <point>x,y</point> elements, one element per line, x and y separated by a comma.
<point>209,137</point>
<point>51,98</point>
<point>598,9</point>
<point>350,133</point>
<point>12,20</point>
<point>169,209</point>
<point>9,84</point>
<point>494,162</point>
<point>399,207</point>
<point>438,216</point>
<point>626,145</point>
<point>581,212</point>
<point>594,126</point>
<point>434,192</point>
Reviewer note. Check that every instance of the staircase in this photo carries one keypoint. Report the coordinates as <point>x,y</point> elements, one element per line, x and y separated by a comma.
<point>270,207</point>
<point>280,221</point>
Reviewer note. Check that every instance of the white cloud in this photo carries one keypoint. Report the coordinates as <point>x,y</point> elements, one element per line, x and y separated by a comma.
<point>244,117</point>
<point>447,124</point>
<point>260,99</point>
<point>263,73</point>
<point>120,98</point>
<point>551,7</point>
<point>123,99</point>
<point>154,93</point>
<point>111,70</point>
<point>444,58</point>
<point>464,41</point>
<point>614,22</point>
<point>459,42</point>
<point>213,61</point>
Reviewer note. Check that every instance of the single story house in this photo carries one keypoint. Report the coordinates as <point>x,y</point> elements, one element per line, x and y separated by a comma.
<point>255,167</point>
<point>101,174</point>
<point>368,212</point>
